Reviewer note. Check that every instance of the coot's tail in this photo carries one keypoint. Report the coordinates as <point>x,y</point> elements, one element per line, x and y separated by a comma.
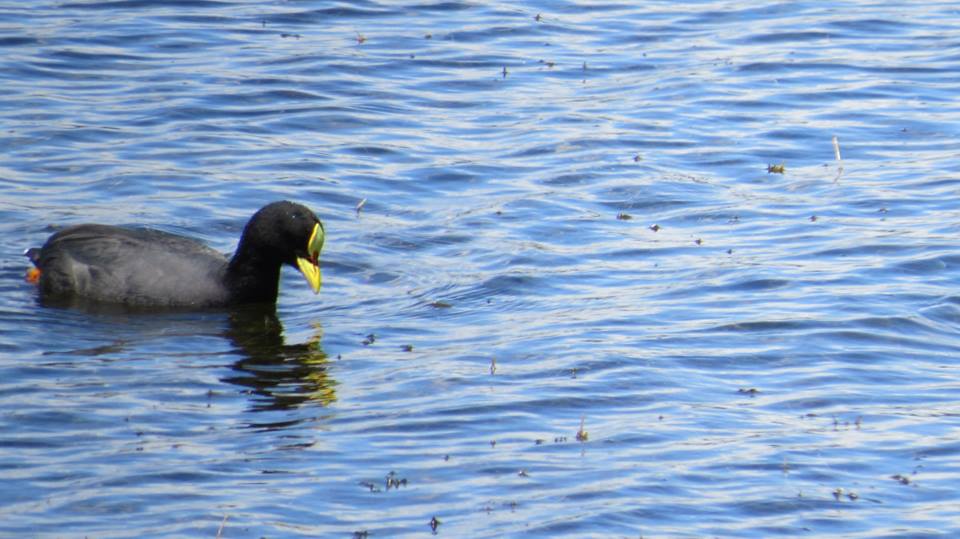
<point>33,254</point>
<point>33,274</point>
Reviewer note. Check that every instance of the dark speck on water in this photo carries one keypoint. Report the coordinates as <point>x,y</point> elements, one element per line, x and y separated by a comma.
<point>741,371</point>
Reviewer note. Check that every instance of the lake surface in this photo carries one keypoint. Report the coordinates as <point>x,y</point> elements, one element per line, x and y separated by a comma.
<point>582,297</point>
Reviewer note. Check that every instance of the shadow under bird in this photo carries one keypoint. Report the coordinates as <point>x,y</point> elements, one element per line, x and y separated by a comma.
<point>143,267</point>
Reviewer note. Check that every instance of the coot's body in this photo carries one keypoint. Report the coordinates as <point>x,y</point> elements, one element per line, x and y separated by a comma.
<point>144,267</point>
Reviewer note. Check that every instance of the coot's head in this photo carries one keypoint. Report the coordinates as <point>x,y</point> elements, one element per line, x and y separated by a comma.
<point>287,232</point>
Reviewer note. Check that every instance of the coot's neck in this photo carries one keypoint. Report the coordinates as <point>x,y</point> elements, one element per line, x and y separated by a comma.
<point>253,275</point>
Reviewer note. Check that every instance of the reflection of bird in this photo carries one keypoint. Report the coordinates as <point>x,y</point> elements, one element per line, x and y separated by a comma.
<point>282,375</point>
<point>143,267</point>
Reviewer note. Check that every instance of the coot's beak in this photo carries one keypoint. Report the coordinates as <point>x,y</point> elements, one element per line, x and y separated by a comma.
<point>310,267</point>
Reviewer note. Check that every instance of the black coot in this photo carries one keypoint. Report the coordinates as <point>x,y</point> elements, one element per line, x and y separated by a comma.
<point>147,268</point>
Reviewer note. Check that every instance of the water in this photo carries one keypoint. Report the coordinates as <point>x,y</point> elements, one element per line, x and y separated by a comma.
<point>739,354</point>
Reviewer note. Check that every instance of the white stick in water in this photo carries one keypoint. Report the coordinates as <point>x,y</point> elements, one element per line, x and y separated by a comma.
<point>836,153</point>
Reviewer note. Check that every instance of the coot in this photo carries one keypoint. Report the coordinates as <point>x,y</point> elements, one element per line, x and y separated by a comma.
<point>150,268</point>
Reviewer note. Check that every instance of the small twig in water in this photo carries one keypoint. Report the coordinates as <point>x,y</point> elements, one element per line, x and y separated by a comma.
<point>222,524</point>
<point>836,153</point>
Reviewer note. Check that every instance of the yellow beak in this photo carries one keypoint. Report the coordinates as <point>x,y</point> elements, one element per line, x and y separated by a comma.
<point>310,267</point>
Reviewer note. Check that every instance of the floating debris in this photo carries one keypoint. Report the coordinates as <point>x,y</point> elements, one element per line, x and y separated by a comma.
<point>654,227</point>
<point>582,434</point>
<point>395,482</point>
<point>428,36</point>
<point>623,216</point>
<point>361,38</point>
<point>434,524</point>
<point>369,339</point>
<point>748,391</point>
<point>493,443</point>
<point>362,534</point>
<point>813,218</point>
<point>222,524</point>
<point>407,348</point>
<point>836,154</point>
<point>637,158</point>
<point>776,169</point>
<point>902,479</point>
<point>294,36</point>
<point>523,473</point>
<point>440,305</point>
<point>698,241</point>
<point>839,493</point>
<point>537,17</point>
<point>360,206</point>
<point>493,365</point>
<point>504,72</point>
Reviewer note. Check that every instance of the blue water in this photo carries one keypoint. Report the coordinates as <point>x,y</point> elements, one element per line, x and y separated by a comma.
<point>575,302</point>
